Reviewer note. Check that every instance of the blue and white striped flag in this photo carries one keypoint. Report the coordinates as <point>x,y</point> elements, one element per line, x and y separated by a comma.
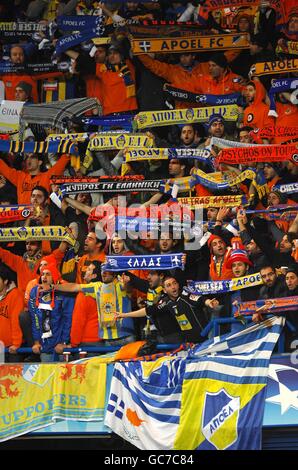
<point>210,397</point>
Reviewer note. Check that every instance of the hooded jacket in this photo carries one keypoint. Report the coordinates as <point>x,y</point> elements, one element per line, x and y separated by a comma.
<point>256,114</point>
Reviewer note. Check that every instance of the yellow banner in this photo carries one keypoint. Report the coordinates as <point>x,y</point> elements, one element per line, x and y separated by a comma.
<point>192,43</point>
<point>100,41</point>
<point>291,47</point>
<point>277,66</point>
<point>32,396</point>
<point>139,154</point>
<point>119,141</point>
<point>214,201</point>
<point>50,232</point>
<point>183,116</point>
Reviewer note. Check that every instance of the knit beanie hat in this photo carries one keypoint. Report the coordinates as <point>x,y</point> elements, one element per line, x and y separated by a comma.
<point>282,197</point>
<point>56,275</point>
<point>238,255</point>
<point>26,87</point>
<point>219,59</point>
<point>215,117</point>
<point>213,237</point>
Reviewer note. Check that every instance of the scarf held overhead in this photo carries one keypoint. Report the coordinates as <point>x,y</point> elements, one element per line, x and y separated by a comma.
<point>17,146</point>
<point>119,141</point>
<point>219,287</point>
<point>20,234</point>
<point>268,153</point>
<point>281,305</point>
<point>14,213</point>
<point>112,187</point>
<point>211,100</point>
<point>138,154</point>
<point>281,86</point>
<point>278,66</point>
<point>214,201</point>
<point>160,262</point>
<point>194,43</point>
<point>183,116</point>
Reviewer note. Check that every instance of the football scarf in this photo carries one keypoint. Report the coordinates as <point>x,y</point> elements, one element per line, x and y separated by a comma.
<point>271,132</point>
<point>139,154</point>
<point>21,29</point>
<point>214,201</point>
<point>289,188</point>
<point>118,141</point>
<point>113,187</point>
<point>14,213</point>
<point>278,66</point>
<point>95,29</point>
<point>280,86</point>
<point>123,121</point>
<point>183,116</point>
<point>79,23</point>
<point>160,262</point>
<point>267,153</point>
<point>291,47</point>
<point>219,287</point>
<point>206,179</point>
<point>209,100</point>
<point>189,44</point>
<point>8,67</point>
<point>18,146</point>
<point>20,234</point>
<point>268,306</point>
<point>93,179</point>
<point>224,144</point>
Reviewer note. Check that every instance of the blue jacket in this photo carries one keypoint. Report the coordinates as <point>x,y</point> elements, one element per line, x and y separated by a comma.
<point>58,319</point>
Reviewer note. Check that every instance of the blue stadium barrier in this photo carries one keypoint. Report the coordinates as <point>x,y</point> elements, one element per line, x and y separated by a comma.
<point>213,326</point>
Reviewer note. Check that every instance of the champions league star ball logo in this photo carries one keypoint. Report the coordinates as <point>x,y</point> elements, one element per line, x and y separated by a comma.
<point>220,419</point>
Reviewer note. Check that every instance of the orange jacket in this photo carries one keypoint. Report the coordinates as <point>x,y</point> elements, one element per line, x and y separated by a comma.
<point>12,79</point>
<point>10,308</point>
<point>116,96</point>
<point>256,114</point>
<point>84,326</point>
<point>287,117</point>
<point>223,272</point>
<point>25,183</point>
<point>21,267</point>
<point>84,262</point>
<point>229,83</point>
<point>175,74</point>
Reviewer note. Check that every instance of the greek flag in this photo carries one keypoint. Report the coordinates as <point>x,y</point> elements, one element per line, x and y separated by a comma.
<point>211,396</point>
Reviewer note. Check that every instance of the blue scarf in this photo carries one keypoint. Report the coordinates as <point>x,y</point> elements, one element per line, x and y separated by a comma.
<point>160,262</point>
<point>79,23</point>
<point>290,188</point>
<point>124,121</point>
<point>220,287</point>
<point>211,100</point>
<point>67,42</point>
<point>279,86</point>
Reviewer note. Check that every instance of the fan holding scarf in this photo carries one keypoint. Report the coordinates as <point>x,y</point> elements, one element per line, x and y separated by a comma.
<point>117,83</point>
